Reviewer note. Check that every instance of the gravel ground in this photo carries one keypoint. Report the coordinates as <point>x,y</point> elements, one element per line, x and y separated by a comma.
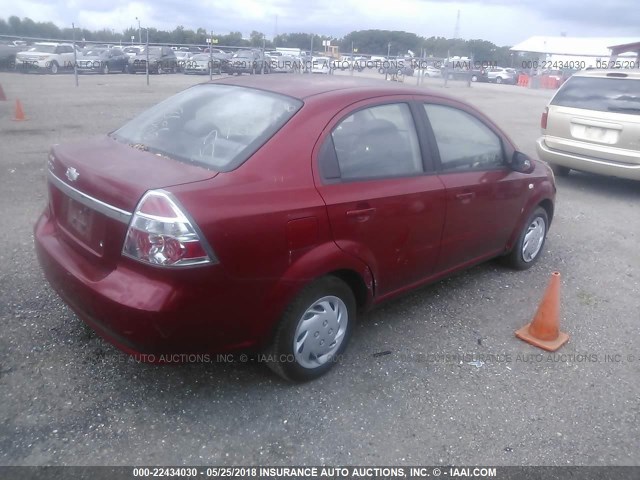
<point>69,398</point>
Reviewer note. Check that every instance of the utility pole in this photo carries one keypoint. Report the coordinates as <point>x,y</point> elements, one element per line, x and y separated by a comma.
<point>311,55</point>
<point>140,31</point>
<point>386,70</point>
<point>147,63</point>
<point>353,61</point>
<point>75,53</point>
<point>210,42</point>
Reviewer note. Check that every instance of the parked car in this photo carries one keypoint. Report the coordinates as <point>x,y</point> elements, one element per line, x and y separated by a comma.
<point>199,64</point>
<point>356,63</point>
<point>182,57</point>
<point>283,62</point>
<point>46,56</point>
<point>501,75</point>
<point>191,49</point>
<point>304,201</point>
<point>320,65</point>
<point>132,51</point>
<point>463,70</point>
<point>248,61</point>
<point>161,60</point>
<point>102,61</point>
<point>592,124</point>
<point>8,52</point>
<point>431,72</point>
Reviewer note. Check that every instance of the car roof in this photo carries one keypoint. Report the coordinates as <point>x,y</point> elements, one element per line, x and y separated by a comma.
<point>304,86</point>
<point>611,73</point>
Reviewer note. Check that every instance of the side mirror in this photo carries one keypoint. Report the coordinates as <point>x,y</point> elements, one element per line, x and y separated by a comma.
<point>520,162</point>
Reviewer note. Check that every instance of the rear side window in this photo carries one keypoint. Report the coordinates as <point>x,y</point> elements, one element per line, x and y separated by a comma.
<point>464,142</point>
<point>217,126</point>
<point>602,94</point>
<point>379,141</point>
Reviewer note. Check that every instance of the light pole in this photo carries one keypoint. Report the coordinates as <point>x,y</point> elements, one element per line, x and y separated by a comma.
<point>139,31</point>
<point>386,70</point>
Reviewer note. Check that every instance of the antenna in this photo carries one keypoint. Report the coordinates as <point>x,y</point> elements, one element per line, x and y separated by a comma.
<point>456,32</point>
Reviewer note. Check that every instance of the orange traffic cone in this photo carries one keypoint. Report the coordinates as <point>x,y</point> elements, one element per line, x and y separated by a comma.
<point>544,331</point>
<point>19,115</point>
<point>3,97</point>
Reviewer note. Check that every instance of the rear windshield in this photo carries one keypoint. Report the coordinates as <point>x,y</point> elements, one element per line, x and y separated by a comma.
<point>602,94</point>
<point>217,126</point>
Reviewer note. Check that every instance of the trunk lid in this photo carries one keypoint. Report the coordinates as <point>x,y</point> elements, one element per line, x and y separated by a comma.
<point>610,136</point>
<point>94,187</point>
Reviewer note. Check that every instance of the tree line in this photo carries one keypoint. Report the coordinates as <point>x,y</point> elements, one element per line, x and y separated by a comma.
<point>364,42</point>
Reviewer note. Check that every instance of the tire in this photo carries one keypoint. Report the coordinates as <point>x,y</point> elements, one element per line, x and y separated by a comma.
<point>530,244</point>
<point>474,78</point>
<point>105,69</point>
<point>560,170</point>
<point>498,80</point>
<point>322,339</point>
<point>53,68</point>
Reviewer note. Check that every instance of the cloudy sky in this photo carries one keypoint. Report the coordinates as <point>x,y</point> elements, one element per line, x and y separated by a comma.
<point>504,22</point>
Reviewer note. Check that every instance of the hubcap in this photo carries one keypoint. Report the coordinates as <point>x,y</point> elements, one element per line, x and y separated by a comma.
<point>533,239</point>
<point>320,332</point>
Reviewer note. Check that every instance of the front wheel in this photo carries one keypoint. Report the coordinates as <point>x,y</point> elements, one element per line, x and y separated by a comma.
<point>474,78</point>
<point>313,331</point>
<point>530,243</point>
<point>499,80</point>
<point>105,69</point>
<point>53,68</point>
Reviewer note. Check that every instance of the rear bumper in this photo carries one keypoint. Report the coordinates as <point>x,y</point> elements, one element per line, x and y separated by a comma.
<point>137,313</point>
<point>587,164</point>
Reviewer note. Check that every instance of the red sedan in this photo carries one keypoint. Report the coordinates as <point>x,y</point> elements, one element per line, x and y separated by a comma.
<point>265,212</point>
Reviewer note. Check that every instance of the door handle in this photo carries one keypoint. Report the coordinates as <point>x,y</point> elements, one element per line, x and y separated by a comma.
<point>465,196</point>
<point>361,215</point>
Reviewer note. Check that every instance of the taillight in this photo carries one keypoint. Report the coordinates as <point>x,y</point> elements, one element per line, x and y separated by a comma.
<point>543,120</point>
<point>160,233</point>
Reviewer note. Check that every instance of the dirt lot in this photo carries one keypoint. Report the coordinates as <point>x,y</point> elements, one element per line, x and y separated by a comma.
<point>70,398</point>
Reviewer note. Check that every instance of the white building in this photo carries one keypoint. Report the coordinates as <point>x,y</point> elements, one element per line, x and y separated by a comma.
<point>580,52</point>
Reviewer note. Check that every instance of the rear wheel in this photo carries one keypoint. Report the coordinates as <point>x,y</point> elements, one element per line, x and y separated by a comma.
<point>474,78</point>
<point>559,170</point>
<point>53,68</point>
<point>498,79</point>
<point>530,243</point>
<point>313,331</point>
